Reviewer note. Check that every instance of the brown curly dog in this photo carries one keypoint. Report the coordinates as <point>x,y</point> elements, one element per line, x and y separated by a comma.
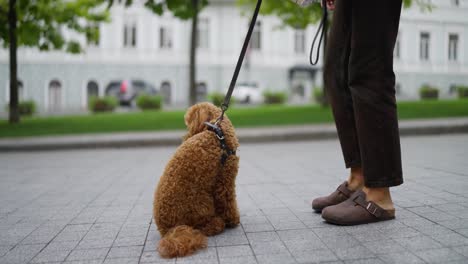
<point>196,195</point>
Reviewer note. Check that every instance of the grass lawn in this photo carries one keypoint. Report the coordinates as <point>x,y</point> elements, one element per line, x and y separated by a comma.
<point>241,117</point>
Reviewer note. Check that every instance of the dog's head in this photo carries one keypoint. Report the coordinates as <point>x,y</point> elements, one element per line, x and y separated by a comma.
<point>197,115</point>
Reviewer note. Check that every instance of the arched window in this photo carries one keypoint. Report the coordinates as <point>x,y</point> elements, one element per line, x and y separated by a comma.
<point>202,90</point>
<point>92,90</point>
<point>55,95</point>
<point>166,92</point>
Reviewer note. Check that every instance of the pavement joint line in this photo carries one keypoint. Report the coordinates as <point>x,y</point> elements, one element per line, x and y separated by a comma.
<point>71,221</point>
<point>99,194</point>
<point>123,223</point>
<point>19,242</point>
<point>144,243</point>
<point>217,253</point>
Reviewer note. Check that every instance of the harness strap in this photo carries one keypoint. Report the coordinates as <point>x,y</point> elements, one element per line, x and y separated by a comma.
<point>222,141</point>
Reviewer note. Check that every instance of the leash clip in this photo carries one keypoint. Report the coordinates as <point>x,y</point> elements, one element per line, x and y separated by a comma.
<point>215,128</point>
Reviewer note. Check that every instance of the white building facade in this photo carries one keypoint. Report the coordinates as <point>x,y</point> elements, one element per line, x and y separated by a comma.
<point>432,49</point>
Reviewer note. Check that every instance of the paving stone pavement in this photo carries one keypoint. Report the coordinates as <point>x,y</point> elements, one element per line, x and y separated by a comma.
<point>94,206</point>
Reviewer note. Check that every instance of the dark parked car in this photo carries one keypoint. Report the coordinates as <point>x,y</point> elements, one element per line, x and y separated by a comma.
<point>127,91</point>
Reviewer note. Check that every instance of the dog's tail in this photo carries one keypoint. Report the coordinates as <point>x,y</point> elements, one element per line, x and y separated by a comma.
<point>181,241</point>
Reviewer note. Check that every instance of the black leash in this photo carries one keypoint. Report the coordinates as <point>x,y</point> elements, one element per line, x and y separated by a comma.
<point>227,99</point>
<point>322,30</point>
<point>225,105</point>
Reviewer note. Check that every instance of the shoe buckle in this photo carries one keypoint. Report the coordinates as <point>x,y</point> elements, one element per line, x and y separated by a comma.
<point>371,208</point>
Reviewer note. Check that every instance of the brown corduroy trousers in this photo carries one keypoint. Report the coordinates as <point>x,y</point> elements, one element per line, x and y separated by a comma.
<point>360,84</point>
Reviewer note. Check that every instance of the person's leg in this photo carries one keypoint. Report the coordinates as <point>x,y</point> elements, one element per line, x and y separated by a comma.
<point>374,27</point>
<point>341,101</point>
<point>356,178</point>
<point>372,84</point>
<point>336,82</point>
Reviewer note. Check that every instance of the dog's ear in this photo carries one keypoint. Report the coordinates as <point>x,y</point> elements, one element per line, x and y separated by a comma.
<point>196,116</point>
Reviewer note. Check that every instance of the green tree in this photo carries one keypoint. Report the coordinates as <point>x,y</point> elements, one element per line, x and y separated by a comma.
<point>40,24</point>
<point>185,10</point>
<point>287,11</point>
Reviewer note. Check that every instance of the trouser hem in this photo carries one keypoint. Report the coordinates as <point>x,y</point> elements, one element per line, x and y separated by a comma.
<point>384,184</point>
<point>353,164</point>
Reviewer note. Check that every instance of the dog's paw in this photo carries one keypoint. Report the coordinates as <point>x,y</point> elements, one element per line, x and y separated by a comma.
<point>231,223</point>
<point>213,227</point>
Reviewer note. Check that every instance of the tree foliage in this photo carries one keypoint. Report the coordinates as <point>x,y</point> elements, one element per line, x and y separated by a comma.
<point>291,14</point>
<point>182,9</point>
<point>40,23</point>
<point>424,5</point>
<point>288,12</point>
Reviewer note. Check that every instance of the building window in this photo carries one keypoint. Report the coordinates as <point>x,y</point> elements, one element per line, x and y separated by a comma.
<point>453,47</point>
<point>130,35</point>
<point>166,92</point>
<point>453,89</point>
<point>299,41</point>
<point>424,46</point>
<point>92,90</point>
<point>203,33</point>
<point>55,95</point>
<point>202,91</point>
<point>256,42</point>
<point>165,38</point>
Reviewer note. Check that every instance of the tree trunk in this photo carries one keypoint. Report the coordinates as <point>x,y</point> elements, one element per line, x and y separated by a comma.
<point>193,55</point>
<point>14,116</point>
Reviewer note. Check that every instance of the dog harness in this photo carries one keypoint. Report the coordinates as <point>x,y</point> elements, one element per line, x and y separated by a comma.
<point>220,135</point>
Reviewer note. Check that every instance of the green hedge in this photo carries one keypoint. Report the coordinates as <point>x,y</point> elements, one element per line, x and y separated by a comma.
<point>216,98</point>
<point>25,108</point>
<point>271,97</point>
<point>462,91</point>
<point>428,92</point>
<point>319,95</point>
<point>104,104</point>
<point>149,102</point>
